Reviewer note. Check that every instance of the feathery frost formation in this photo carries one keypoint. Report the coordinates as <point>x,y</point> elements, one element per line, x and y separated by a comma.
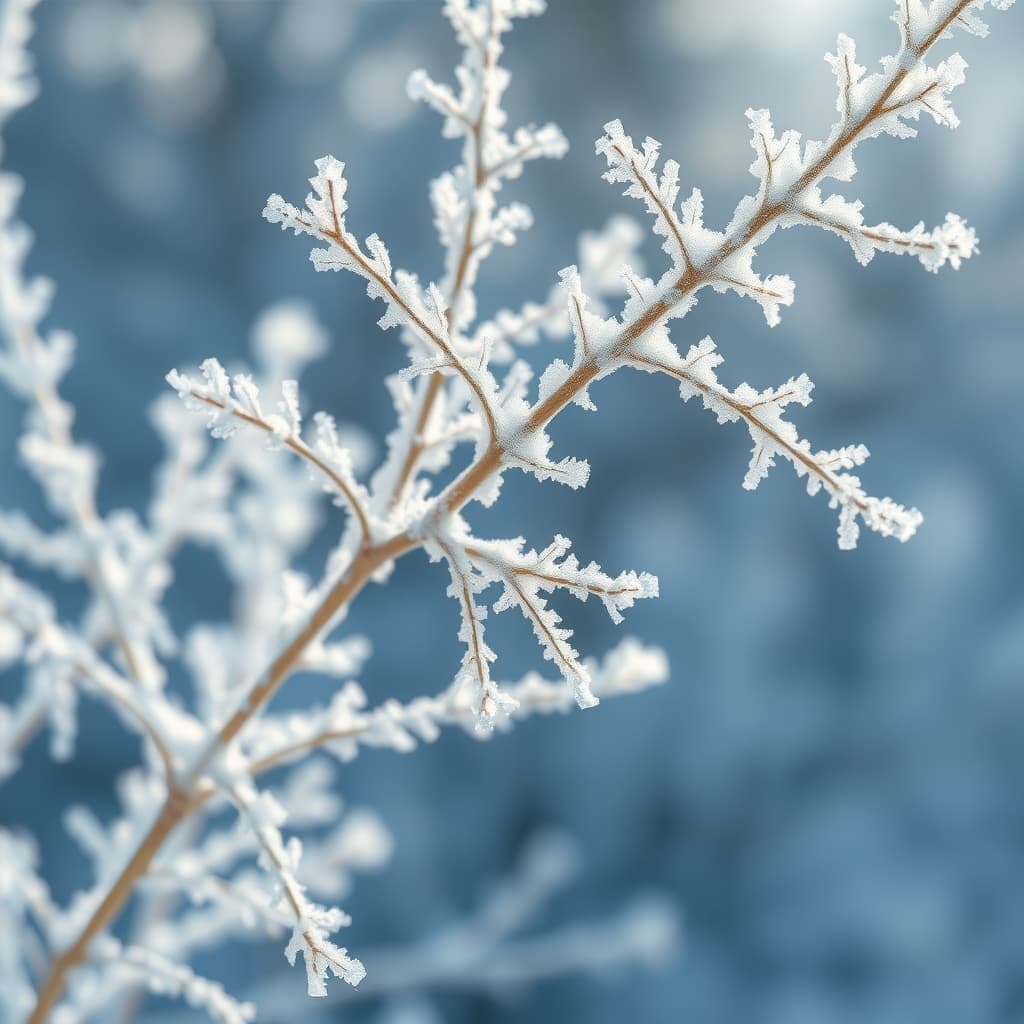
<point>466,388</point>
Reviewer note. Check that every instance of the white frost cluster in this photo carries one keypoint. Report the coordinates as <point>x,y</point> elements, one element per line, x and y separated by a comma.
<point>466,390</point>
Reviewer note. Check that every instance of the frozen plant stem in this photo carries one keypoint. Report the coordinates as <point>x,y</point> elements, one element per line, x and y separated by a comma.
<point>448,394</point>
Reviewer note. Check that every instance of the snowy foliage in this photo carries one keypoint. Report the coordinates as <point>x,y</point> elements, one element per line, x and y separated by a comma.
<point>254,499</point>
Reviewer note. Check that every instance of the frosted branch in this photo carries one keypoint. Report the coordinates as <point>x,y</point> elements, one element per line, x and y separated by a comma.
<point>234,401</point>
<point>311,923</point>
<point>58,661</point>
<point>32,366</point>
<point>466,584</point>
<point>345,726</point>
<point>788,174</point>
<point>166,978</point>
<point>424,314</point>
<point>763,414</point>
<point>485,950</point>
<point>260,515</point>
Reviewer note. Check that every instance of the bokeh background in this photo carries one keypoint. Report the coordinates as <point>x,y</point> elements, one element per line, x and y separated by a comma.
<point>829,788</point>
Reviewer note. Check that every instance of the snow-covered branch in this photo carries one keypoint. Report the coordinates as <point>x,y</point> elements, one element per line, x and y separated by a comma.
<point>789,174</point>
<point>233,401</point>
<point>464,200</point>
<point>346,725</point>
<point>32,366</point>
<point>465,383</point>
<point>312,924</point>
<point>526,576</point>
<point>487,952</point>
<point>58,662</point>
<point>127,964</point>
<point>763,412</point>
<point>25,909</point>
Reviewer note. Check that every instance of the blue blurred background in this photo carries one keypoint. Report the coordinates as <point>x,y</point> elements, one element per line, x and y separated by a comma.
<point>829,787</point>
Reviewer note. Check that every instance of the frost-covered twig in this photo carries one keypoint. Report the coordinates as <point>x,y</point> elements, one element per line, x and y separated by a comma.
<point>31,367</point>
<point>59,661</point>
<point>762,412</point>
<point>25,909</point>
<point>485,952</point>
<point>121,966</point>
<point>525,576</point>
<point>227,898</point>
<point>345,725</point>
<point>234,401</point>
<point>449,393</point>
<point>124,563</point>
<point>723,260</point>
<point>422,313</point>
<point>312,924</point>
